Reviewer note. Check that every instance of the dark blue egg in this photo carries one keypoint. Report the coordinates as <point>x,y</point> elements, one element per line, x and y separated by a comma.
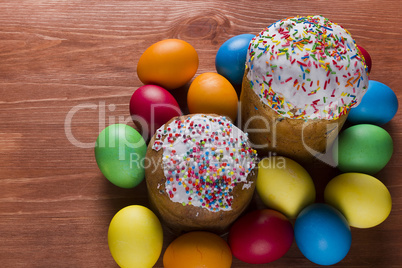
<point>230,59</point>
<point>322,234</point>
<point>378,106</point>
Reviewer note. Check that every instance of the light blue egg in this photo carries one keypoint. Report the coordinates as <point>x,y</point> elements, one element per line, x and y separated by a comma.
<point>378,106</point>
<point>322,234</point>
<point>230,59</point>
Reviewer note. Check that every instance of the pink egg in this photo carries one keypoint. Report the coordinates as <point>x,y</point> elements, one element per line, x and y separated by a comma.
<point>152,106</point>
<point>366,56</point>
<point>261,236</point>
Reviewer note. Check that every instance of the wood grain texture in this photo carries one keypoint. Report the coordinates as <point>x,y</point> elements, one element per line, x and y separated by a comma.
<point>59,55</point>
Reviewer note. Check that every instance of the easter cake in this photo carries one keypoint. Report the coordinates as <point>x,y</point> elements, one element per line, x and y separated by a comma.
<point>302,77</point>
<point>201,172</point>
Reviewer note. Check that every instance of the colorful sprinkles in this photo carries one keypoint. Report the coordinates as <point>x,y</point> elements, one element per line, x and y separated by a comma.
<point>204,158</point>
<point>307,68</point>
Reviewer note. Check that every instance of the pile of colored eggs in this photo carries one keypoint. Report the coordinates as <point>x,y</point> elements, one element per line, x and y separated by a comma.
<point>352,199</point>
<point>321,231</point>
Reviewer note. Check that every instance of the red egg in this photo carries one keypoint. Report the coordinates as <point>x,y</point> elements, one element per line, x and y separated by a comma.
<point>261,236</point>
<point>152,106</point>
<point>366,56</point>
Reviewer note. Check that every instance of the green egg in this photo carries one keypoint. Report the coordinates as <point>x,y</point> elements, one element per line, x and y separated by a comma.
<point>363,148</point>
<point>120,152</point>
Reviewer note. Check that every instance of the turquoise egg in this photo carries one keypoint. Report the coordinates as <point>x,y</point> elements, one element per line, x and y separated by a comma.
<point>378,106</point>
<point>363,148</point>
<point>120,152</point>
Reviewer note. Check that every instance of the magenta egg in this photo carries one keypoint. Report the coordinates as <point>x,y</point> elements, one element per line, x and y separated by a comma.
<point>366,56</point>
<point>152,106</point>
<point>261,236</point>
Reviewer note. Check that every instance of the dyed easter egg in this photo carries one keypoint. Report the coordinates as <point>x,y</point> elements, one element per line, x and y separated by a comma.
<point>378,106</point>
<point>230,60</point>
<point>212,93</point>
<point>363,148</point>
<point>198,249</point>
<point>135,237</point>
<point>170,63</point>
<point>152,106</point>
<point>322,234</point>
<point>261,236</point>
<point>363,199</point>
<point>284,185</point>
<point>366,56</point>
<point>120,152</point>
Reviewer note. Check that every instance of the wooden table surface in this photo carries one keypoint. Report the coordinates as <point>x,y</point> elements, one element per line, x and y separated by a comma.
<point>68,69</point>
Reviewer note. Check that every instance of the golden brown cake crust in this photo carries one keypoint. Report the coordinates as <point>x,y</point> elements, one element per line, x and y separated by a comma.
<point>182,218</point>
<point>269,132</point>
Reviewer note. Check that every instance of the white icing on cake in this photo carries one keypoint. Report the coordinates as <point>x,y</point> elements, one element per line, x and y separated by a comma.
<point>204,158</point>
<point>307,68</point>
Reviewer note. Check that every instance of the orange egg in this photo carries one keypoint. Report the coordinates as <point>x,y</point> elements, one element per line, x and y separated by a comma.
<point>169,63</point>
<point>212,93</point>
<point>198,249</point>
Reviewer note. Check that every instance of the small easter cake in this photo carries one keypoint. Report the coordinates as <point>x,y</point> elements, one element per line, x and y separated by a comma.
<point>201,173</point>
<point>302,77</point>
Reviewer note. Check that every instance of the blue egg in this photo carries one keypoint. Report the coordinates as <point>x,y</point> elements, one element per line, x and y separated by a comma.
<point>378,106</point>
<point>322,234</point>
<point>230,59</point>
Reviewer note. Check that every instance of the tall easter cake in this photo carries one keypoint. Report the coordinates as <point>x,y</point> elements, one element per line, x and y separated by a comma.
<point>303,75</point>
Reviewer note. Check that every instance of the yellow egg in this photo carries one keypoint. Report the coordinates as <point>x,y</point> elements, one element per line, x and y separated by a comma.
<point>363,199</point>
<point>284,185</point>
<point>135,237</point>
